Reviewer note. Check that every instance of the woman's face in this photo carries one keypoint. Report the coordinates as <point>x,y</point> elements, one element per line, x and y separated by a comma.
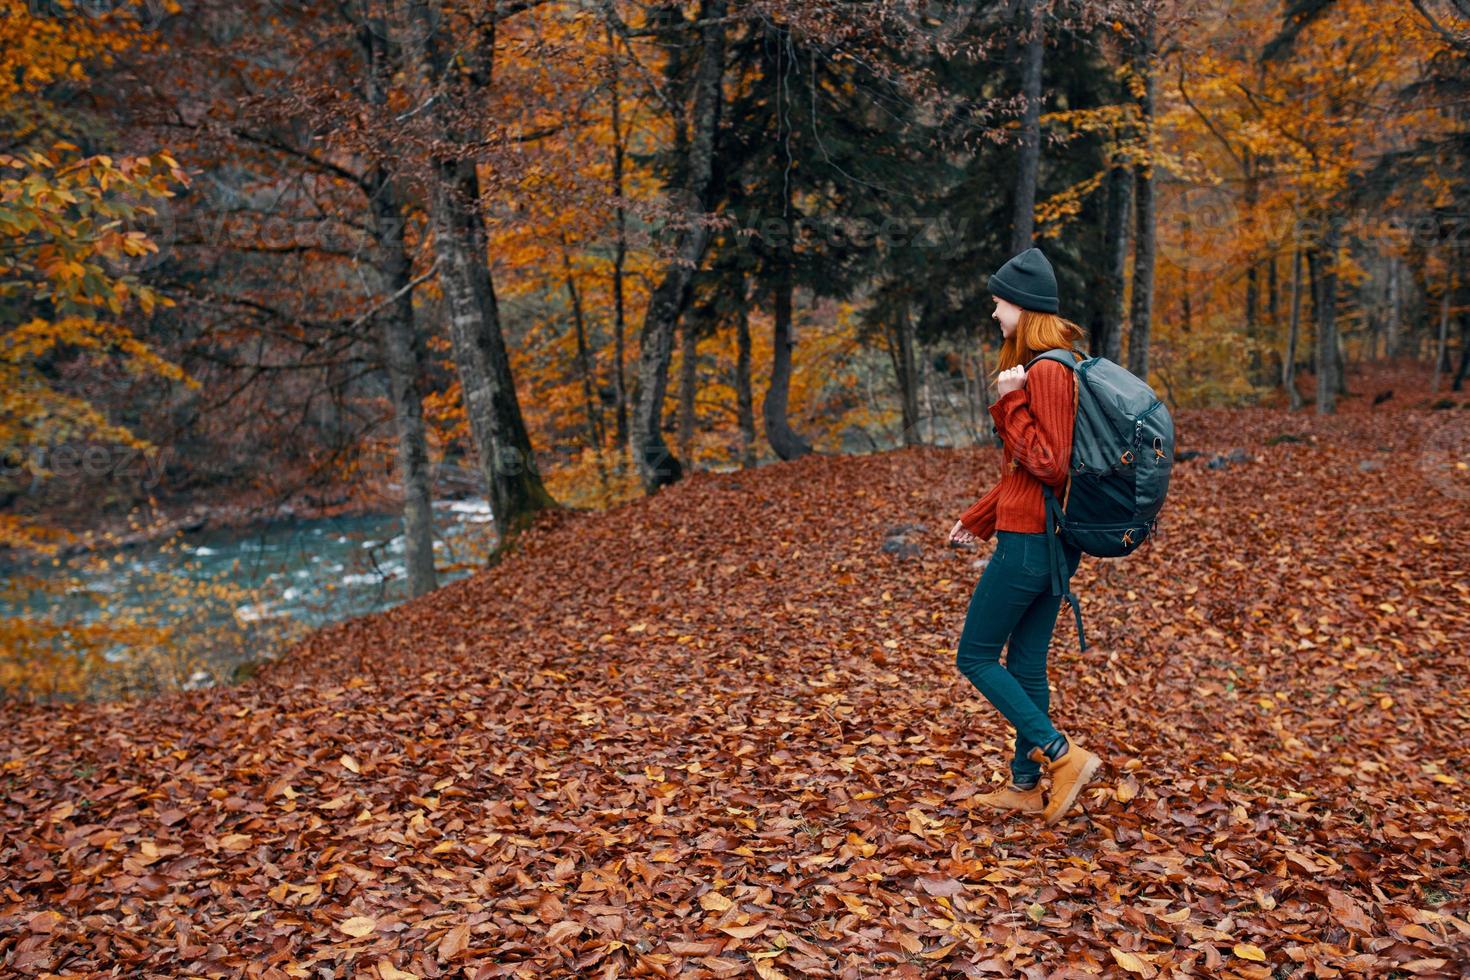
<point>1008,314</point>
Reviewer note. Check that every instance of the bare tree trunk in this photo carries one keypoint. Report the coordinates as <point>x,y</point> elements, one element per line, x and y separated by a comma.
<point>688,380</point>
<point>1272,369</point>
<point>1120,205</point>
<point>1391,342</point>
<point>984,377</point>
<point>656,466</point>
<point>969,369</point>
<point>595,438</point>
<point>926,373</point>
<point>1141,315</point>
<point>620,255</point>
<point>513,483</point>
<point>908,381</point>
<point>1023,220</point>
<point>784,440</point>
<point>398,342</point>
<point>1143,254</point>
<point>400,354</point>
<point>1459,383</point>
<point>1186,310</point>
<point>1327,323</point>
<point>1444,324</point>
<point>1252,280</point>
<point>1288,369</point>
<point>1273,290</point>
<point>744,399</point>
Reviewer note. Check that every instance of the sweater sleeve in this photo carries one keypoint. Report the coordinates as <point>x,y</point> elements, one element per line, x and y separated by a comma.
<point>979,520</point>
<point>1035,422</point>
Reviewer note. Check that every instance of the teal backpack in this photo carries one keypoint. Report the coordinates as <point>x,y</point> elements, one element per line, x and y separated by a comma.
<point>1122,456</point>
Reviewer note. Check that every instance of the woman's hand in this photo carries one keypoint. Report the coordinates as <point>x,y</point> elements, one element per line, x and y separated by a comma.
<point>959,534</point>
<point>1010,379</point>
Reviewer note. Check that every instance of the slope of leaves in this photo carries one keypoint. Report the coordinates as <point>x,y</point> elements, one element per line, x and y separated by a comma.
<point>719,732</point>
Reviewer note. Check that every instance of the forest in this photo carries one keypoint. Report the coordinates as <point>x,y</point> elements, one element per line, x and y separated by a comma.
<point>475,474</point>
<point>278,260</point>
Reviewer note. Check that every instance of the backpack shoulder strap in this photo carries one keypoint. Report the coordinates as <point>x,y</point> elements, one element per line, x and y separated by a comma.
<point>1071,359</point>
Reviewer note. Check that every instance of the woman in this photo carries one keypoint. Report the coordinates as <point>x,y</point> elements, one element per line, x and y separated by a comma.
<point>1033,414</point>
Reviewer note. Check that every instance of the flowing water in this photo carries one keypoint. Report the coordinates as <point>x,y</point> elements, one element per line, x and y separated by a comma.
<point>291,572</point>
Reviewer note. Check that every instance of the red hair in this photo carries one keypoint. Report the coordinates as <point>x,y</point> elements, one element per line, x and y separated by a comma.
<point>1035,332</point>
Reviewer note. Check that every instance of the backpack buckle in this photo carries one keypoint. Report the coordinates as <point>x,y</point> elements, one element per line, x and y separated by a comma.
<point>1127,456</point>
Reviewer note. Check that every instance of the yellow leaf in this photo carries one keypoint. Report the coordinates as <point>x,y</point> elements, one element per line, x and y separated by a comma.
<point>349,763</point>
<point>1130,962</point>
<point>1248,952</point>
<point>714,902</point>
<point>387,971</point>
<point>744,932</point>
<point>1127,789</point>
<point>358,926</point>
<point>234,842</point>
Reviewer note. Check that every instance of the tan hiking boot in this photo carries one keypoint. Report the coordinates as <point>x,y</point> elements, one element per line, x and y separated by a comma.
<point>1069,773</point>
<point>1011,797</point>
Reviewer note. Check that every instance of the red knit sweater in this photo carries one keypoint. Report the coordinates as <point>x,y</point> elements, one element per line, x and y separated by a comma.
<point>1035,426</point>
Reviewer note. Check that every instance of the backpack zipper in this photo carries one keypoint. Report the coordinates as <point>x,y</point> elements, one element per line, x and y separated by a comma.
<point>1138,424</point>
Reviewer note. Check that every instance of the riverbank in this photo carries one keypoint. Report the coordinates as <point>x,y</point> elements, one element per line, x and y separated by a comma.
<point>158,520</point>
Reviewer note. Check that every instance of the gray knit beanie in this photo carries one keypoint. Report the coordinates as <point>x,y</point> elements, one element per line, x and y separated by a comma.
<point>1026,280</point>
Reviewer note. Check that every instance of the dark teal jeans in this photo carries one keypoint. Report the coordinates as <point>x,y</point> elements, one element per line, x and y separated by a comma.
<point>1011,601</point>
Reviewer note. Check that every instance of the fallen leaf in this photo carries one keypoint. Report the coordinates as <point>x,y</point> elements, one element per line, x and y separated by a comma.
<point>563,931</point>
<point>744,932</point>
<point>714,902</point>
<point>454,942</point>
<point>1132,963</point>
<point>1246,951</point>
<point>358,926</point>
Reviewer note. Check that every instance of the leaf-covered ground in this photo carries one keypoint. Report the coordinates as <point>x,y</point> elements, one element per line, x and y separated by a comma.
<point>719,732</point>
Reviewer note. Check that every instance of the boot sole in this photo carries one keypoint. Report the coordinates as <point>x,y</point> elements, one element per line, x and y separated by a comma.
<point>1001,808</point>
<point>1006,807</point>
<point>1089,768</point>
